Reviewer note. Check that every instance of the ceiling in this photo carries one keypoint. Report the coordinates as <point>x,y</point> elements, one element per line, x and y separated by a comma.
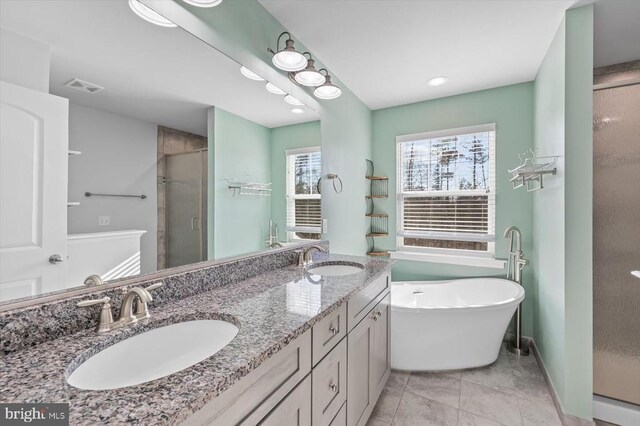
<point>616,32</point>
<point>161,75</point>
<point>386,50</point>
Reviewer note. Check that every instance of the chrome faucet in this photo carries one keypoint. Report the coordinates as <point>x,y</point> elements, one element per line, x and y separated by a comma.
<point>515,263</point>
<point>304,256</point>
<point>127,316</point>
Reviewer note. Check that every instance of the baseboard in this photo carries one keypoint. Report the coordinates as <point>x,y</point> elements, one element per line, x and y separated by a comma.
<point>617,412</point>
<point>567,419</point>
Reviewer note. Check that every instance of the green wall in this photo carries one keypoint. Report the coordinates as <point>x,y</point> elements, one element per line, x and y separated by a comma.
<point>511,108</point>
<point>563,213</point>
<point>241,151</point>
<point>548,258</point>
<point>283,138</point>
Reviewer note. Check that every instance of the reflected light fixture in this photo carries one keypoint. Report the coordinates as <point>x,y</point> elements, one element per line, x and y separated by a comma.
<point>292,101</point>
<point>309,76</point>
<point>437,81</point>
<point>288,59</point>
<point>250,74</point>
<point>328,90</point>
<point>149,14</point>
<point>275,89</point>
<point>203,3</point>
<point>297,110</point>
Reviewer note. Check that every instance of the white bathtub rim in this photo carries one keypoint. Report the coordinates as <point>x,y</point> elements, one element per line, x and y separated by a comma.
<point>508,303</point>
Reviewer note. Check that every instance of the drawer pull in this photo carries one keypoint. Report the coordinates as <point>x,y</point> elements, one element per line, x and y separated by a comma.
<point>334,330</point>
<point>333,387</point>
<point>374,317</point>
<point>378,314</point>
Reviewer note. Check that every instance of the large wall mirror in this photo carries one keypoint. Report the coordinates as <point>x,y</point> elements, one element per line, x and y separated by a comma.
<point>129,148</point>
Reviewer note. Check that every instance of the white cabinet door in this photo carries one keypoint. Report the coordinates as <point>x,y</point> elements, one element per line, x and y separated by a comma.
<point>381,353</point>
<point>33,191</point>
<point>360,345</point>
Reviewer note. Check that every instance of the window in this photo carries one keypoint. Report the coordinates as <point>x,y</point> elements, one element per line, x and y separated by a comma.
<point>303,198</point>
<point>446,191</point>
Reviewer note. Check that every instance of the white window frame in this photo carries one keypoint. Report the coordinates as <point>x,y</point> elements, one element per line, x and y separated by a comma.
<point>290,194</point>
<point>446,255</point>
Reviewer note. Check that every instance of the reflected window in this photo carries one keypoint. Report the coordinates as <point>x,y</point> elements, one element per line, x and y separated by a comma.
<point>304,218</point>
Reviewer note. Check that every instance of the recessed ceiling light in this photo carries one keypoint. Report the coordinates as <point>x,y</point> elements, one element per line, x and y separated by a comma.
<point>437,81</point>
<point>292,101</point>
<point>297,110</point>
<point>250,74</point>
<point>275,89</point>
<point>150,15</point>
<point>203,3</point>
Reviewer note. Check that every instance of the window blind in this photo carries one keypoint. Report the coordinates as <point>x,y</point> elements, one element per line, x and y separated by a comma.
<point>446,189</point>
<point>303,198</point>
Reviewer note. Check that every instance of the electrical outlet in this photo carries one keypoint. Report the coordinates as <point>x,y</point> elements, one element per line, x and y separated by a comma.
<point>104,220</point>
<point>325,226</point>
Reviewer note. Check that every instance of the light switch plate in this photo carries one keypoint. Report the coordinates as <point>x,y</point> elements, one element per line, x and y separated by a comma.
<point>325,226</point>
<point>104,220</point>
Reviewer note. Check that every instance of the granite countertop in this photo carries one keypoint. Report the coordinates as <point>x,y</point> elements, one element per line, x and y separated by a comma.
<point>270,310</point>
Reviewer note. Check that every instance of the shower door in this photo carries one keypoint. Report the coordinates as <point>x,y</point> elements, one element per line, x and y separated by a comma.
<point>616,243</point>
<point>186,208</point>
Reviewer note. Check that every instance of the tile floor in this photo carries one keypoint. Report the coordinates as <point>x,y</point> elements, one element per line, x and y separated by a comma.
<point>511,391</point>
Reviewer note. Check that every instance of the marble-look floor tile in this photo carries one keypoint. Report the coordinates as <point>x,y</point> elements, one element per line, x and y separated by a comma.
<point>440,387</point>
<point>417,411</point>
<point>490,403</point>
<point>398,379</point>
<point>387,404</point>
<point>537,412</point>
<point>498,375</point>
<point>468,419</point>
<point>376,422</point>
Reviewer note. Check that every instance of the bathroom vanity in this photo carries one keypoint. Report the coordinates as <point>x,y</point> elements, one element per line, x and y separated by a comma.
<point>311,349</point>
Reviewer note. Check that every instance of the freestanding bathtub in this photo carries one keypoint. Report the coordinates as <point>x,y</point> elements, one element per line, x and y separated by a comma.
<point>449,325</point>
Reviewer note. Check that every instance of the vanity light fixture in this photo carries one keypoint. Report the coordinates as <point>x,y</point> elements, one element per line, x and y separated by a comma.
<point>297,110</point>
<point>250,74</point>
<point>149,14</point>
<point>309,76</point>
<point>272,88</point>
<point>203,3</point>
<point>328,90</point>
<point>292,101</point>
<point>437,81</point>
<point>288,59</point>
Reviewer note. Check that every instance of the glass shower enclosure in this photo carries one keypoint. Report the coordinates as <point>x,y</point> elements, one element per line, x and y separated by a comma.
<point>186,208</point>
<point>616,240</point>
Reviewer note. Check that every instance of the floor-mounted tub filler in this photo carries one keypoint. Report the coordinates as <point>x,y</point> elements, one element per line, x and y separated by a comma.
<point>449,325</point>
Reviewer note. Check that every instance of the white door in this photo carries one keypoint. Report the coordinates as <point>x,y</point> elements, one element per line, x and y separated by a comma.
<point>33,191</point>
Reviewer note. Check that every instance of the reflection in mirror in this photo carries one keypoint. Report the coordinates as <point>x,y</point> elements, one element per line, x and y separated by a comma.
<point>128,148</point>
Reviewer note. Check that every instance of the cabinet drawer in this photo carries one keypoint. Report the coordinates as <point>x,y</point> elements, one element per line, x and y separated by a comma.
<point>328,332</point>
<point>294,410</point>
<point>361,303</point>
<point>256,394</point>
<point>341,418</point>
<point>330,385</point>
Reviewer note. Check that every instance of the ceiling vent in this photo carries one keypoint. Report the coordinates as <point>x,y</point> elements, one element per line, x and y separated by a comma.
<point>84,86</point>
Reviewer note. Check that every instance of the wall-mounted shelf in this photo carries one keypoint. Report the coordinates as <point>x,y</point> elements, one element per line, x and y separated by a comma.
<point>378,221</point>
<point>250,188</point>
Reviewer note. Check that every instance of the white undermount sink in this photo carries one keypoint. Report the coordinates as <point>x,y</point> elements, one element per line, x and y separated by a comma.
<point>153,354</point>
<point>335,269</point>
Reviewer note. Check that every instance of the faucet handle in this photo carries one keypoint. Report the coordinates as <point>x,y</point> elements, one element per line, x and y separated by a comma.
<point>105,320</point>
<point>154,286</point>
<point>84,303</point>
